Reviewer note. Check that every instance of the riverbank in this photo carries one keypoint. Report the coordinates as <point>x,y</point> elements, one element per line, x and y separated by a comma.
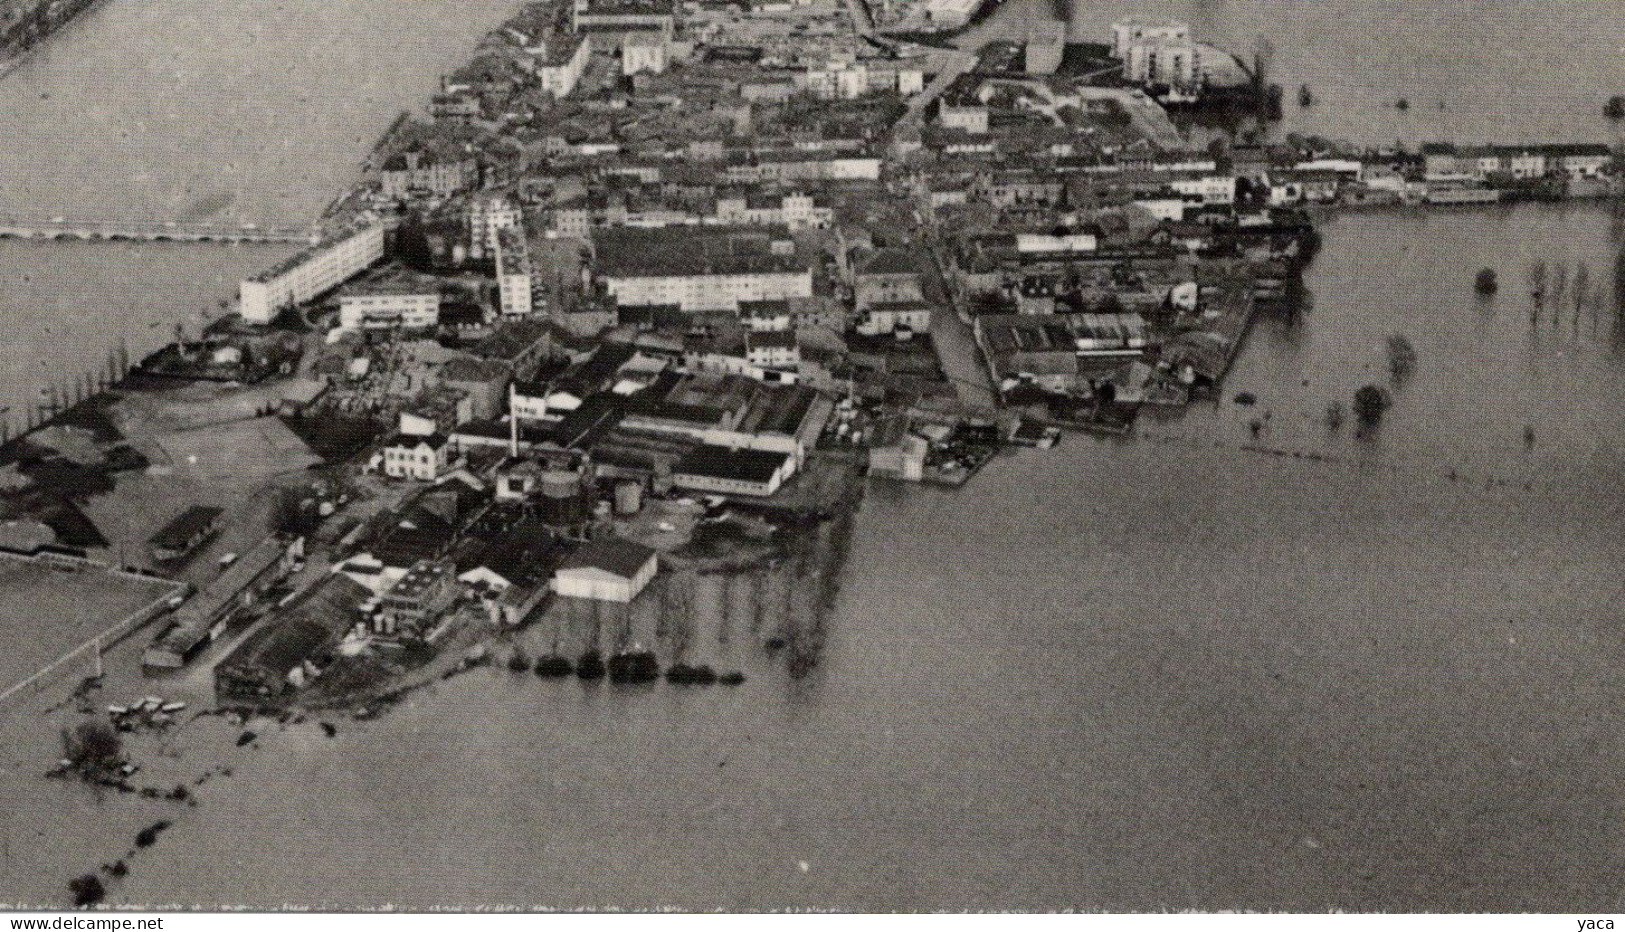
<point>31,23</point>
<point>1287,677</point>
<point>961,680</point>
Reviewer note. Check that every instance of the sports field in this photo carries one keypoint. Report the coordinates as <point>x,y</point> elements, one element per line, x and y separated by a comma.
<point>46,612</point>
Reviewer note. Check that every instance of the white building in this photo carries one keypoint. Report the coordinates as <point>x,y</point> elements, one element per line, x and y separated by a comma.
<point>970,116</point>
<point>312,272</point>
<point>562,64</point>
<point>385,306</point>
<point>607,570</point>
<point>795,210</point>
<point>772,349</point>
<point>835,81</point>
<point>1209,189</point>
<point>424,457</point>
<point>1575,161</point>
<point>421,172</point>
<point>488,216</point>
<point>650,53</point>
<point>1055,243</point>
<point>1171,62</point>
<point>783,166</point>
<point>711,271</point>
<point>709,292</point>
<point>515,278</point>
<point>1134,30</point>
<point>727,471</point>
<point>527,401</point>
<point>883,318</point>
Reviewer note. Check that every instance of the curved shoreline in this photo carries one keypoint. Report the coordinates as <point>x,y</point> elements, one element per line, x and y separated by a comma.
<point>15,58</point>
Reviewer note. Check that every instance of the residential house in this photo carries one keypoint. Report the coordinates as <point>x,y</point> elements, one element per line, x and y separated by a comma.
<point>423,457</point>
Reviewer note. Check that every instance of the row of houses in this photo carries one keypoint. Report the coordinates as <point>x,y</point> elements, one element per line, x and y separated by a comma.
<point>1576,161</point>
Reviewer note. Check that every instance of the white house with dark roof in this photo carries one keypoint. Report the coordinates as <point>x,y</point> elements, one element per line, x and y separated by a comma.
<point>611,569</point>
<point>728,471</point>
<point>423,457</point>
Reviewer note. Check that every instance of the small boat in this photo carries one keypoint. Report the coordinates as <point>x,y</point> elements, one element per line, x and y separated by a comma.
<point>1305,98</point>
<point>118,710</point>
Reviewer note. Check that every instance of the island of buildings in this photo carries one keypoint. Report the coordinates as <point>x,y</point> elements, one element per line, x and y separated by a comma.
<point>642,295</point>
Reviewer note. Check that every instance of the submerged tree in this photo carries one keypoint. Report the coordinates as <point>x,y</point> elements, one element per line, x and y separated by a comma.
<point>1401,356</point>
<point>92,746</point>
<point>87,890</point>
<point>1369,404</point>
<point>1334,415</point>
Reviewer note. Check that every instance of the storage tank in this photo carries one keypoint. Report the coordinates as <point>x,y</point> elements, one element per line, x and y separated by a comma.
<point>628,498</point>
<point>558,483</point>
<point>563,505</point>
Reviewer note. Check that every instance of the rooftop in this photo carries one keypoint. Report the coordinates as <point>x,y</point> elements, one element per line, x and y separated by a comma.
<point>180,532</point>
<point>738,465</point>
<point>615,555</point>
<point>433,441</point>
<point>634,253</point>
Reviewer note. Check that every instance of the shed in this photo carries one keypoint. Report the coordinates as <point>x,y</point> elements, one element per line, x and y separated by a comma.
<point>611,569</point>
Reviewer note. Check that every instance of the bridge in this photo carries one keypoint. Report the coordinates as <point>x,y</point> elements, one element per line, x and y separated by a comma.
<point>154,230</point>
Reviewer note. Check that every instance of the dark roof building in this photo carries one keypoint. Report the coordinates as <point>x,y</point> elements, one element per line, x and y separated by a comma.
<point>710,468</point>
<point>183,534</point>
<point>615,555</point>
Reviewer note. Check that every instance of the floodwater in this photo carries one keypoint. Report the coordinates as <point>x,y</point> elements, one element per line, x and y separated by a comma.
<point>239,111</point>
<point>1158,673</point>
<point>1168,672</point>
<point>1471,71</point>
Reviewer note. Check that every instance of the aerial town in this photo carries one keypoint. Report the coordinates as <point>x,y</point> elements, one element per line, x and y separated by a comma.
<point>644,294</point>
<point>631,313</point>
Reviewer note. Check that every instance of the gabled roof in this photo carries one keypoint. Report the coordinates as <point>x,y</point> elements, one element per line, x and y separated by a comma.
<point>434,441</point>
<point>188,524</point>
<point>614,555</point>
<point>890,262</point>
<point>524,555</point>
<point>724,463</point>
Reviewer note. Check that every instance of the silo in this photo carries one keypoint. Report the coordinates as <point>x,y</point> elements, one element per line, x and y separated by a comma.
<point>562,502</point>
<point>628,498</point>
